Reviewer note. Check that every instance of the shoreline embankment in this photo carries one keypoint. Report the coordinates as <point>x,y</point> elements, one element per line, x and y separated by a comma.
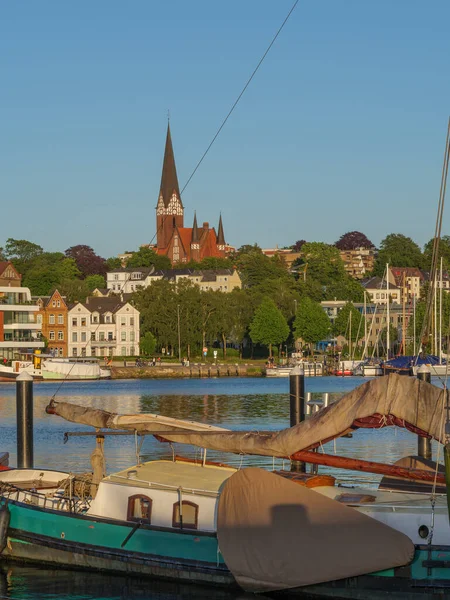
<point>171,371</point>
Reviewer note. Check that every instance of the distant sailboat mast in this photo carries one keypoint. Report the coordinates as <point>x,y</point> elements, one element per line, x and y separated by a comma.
<point>388,340</point>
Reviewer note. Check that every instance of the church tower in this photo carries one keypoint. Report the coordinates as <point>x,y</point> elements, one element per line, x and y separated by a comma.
<point>169,210</point>
<point>221,237</point>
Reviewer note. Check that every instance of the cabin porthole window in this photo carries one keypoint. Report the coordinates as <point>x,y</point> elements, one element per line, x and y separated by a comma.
<point>189,515</point>
<point>139,508</point>
<point>423,531</point>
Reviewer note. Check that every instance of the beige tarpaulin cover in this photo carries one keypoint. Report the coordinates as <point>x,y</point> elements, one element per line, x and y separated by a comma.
<point>406,398</point>
<point>274,534</point>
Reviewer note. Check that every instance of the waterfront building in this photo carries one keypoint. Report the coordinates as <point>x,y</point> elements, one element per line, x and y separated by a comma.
<point>409,280</point>
<point>103,327</point>
<point>129,280</point>
<point>358,262</point>
<point>52,319</point>
<point>287,254</point>
<point>182,244</point>
<point>19,329</point>
<point>377,290</point>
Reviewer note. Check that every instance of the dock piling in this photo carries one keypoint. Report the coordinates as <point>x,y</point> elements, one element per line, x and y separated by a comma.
<point>24,417</point>
<point>297,406</point>
<point>424,444</point>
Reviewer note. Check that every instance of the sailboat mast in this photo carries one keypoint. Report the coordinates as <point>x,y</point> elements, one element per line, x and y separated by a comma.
<point>404,315</point>
<point>388,339</point>
<point>440,314</point>
<point>414,323</point>
<point>365,324</point>
<point>435,314</point>
<point>350,336</point>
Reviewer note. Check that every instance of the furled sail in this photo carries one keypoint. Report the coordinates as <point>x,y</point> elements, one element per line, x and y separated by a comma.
<point>392,400</point>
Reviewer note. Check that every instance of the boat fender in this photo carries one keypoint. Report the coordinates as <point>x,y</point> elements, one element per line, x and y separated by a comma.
<point>5,517</point>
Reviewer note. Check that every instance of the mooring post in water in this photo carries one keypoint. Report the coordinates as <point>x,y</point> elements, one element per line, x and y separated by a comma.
<point>297,405</point>
<point>24,416</point>
<point>424,444</point>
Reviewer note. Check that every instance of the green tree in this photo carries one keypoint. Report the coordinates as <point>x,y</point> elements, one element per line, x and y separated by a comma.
<point>146,257</point>
<point>254,267</point>
<point>399,251</point>
<point>95,281</point>
<point>241,308</point>
<point>444,251</point>
<point>113,263</point>
<point>311,322</point>
<point>75,290</point>
<point>323,263</point>
<point>342,322</point>
<point>21,250</point>
<point>268,326</point>
<point>147,344</point>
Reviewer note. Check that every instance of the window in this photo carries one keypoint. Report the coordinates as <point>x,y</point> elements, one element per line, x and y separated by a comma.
<point>93,336</point>
<point>131,336</point>
<point>39,319</point>
<point>116,277</point>
<point>60,351</point>
<point>83,321</point>
<point>139,508</point>
<point>58,303</point>
<point>60,319</point>
<point>51,319</point>
<point>132,351</point>
<point>95,318</point>
<point>74,351</point>
<point>123,321</point>
<point>124,351</point>
<point>108,319</point>
<point>189,515</point>
<point>83,336</point>
<point>51,335</point>
<point>110,336</point>
<point>102,336</point>
<point>60,335</point>
<point>54,303</point>
<point>124,336</point>
<point>83,351</point>
<point>74,322</point>
<point>131,321</point>
<point>74,337</point>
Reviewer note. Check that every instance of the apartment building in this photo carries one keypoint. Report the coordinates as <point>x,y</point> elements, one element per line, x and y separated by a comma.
<point>103,327</point>
<point>52,318</point>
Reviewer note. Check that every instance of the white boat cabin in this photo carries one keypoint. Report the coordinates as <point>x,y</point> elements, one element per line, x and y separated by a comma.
<point>163,493</point>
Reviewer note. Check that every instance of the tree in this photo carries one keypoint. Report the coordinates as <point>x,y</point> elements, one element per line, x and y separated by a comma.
<point>399,251</point>
<point>21,250</point>
<point>311,322</point>
<point>269,325</point>
<point>147,344</point>
<point>95,281</point>
<point>113,263</point>
<point>323,263</point>
<point>444,251</point>
<point>146,257</point>
<point>298,245</point>
<point>86,260</point>
<point>342,322</point>
<point>254,267</point>
<point>352,240</point>
<point>75,290</point>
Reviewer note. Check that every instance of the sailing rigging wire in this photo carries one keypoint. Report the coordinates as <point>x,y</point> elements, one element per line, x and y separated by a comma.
<point>435,255</point>
<point>236,102</point>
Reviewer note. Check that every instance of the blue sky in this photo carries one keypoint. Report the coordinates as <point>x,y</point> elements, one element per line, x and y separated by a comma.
<point>342,128</point>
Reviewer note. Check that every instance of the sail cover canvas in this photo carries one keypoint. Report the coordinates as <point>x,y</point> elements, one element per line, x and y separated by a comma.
<point>395,399</point>
<point>274,534</point>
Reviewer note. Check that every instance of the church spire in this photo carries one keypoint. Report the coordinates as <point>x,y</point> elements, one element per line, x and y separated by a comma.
<point>195,238</point>
<point>220,235</point>
<point>169,179</point>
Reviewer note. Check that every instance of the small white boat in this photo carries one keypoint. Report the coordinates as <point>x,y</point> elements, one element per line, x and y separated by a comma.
<point>310,369</point>
<point>55,368</point>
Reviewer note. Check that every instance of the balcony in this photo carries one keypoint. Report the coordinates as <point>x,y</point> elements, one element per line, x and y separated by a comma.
<point>103,343</point>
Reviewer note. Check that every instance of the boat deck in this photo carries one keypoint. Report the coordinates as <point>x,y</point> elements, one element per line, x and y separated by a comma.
<point>170,474</point>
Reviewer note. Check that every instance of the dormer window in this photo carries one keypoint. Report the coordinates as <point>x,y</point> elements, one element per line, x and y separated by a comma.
<point>136,275</point>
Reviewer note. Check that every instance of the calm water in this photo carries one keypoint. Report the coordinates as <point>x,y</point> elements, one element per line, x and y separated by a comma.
<point>256,404</point>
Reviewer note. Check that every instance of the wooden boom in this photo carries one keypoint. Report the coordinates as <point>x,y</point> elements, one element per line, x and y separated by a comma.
<point>356,464</point>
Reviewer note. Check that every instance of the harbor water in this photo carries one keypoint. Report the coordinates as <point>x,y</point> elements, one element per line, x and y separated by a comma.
<point>240,404</point>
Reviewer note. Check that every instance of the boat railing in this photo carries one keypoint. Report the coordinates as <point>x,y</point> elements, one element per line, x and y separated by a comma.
<point>57,501</point>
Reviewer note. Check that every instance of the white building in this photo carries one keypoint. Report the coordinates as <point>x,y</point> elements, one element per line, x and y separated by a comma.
<point>19,329</point>
<point>103,327</point>
<point>127,281</point>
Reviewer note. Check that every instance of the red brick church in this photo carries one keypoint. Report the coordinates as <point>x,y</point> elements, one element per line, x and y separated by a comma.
<point>180,243</point>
